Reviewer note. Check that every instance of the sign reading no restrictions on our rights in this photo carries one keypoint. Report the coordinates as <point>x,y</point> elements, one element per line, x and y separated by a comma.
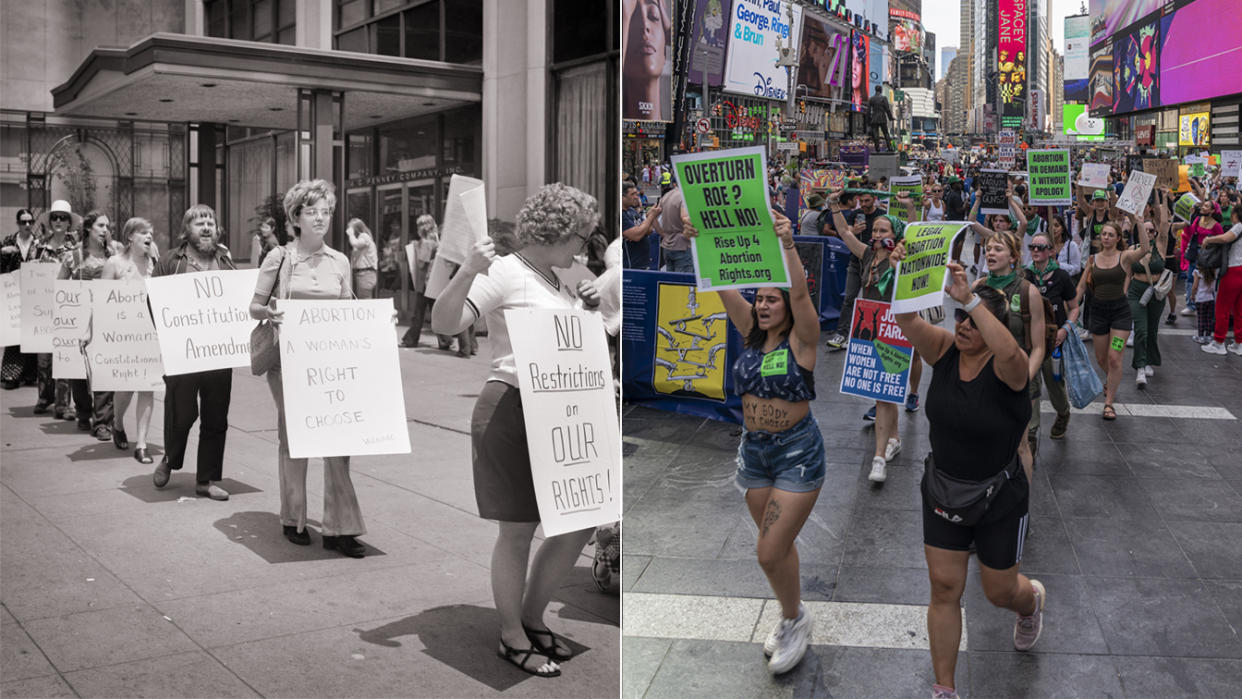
<point>726,195</point>
<point>572,430</point>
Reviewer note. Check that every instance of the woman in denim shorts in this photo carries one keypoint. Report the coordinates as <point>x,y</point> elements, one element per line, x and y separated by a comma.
<point>781,457</point>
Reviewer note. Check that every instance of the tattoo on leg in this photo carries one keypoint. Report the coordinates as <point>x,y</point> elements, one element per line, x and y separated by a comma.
<point>770,516</point>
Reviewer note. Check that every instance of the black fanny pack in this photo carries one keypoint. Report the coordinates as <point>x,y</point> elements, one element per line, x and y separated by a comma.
<point>959,501</point>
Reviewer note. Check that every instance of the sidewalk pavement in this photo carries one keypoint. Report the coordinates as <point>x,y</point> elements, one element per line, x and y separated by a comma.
<point>110,587</point>
<point>1135,527</point>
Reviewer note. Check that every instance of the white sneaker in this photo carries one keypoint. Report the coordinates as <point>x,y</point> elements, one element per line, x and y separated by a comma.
<point>1214,348</point>
<point>892,449</point>
<point>1188,311</point>
<point>1151,370</point>
<point>793,637</point>
<point>774,639</point>
<point>1141,379</point>
<point>877,470</point>
<point>1084,334</point>
<point>1130,340</point>
<point>1234,347</point>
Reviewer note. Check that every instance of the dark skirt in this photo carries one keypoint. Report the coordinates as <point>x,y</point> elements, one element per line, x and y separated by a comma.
<point>503,488</point>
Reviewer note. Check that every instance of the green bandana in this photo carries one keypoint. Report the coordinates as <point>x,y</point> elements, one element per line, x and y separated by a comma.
<point>1052,264</point>
<point>998,282</point>
<point>886,278</point>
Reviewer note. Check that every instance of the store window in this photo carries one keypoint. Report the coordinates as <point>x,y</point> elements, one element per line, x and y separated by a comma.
<point>408,145</point>
<point>436,30</point>
<point>271,21</point>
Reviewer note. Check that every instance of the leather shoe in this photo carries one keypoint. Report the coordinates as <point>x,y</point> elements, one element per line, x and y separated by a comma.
<point>41,408</point>
<point>10,385</point>
<point>120,440</point>
<point>346,545</point>
<point>162,472</point>
<point>301,538</point>
<point>214,492</point>
<point>142,457</point>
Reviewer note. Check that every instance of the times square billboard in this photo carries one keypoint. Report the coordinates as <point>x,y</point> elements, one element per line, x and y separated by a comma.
<point>1011,61</point>
<point>1151,53</point>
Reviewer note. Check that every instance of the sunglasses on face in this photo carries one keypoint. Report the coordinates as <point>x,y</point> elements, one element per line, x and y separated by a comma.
<point>961,316</point>
<point>26,221</point>
<point>886,243</point>
<point>58,217</point>
<point>1039,246</point>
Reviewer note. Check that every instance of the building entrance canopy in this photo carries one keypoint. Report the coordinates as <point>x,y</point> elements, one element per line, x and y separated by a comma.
<point>180,78</point>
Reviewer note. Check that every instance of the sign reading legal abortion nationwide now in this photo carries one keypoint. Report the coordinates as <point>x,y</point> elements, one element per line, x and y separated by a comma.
<point>726,196</point>
<point>877,365</point>
<point>123,353</point>
<point>341,379</point>
<point>11,314</point>
<point>203,319</point>
<point>920,278</point>
<point>572,430</point>
<point>38,283</point>
<point>72,304</point>
<point>1050,177</point>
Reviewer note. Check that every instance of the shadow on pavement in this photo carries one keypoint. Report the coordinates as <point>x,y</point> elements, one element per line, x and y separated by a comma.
<point>262,534</point>
<point>583,600</point>
<point>55,426</point>
<point>107,450</point>
<point>464,637</point>
<point>180,485</point>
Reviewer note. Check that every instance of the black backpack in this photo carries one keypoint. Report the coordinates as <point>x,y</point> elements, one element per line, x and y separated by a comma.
<point>1020,323</point>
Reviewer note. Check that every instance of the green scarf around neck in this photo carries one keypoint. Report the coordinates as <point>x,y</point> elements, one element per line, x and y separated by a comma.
<point>1052,264</point>
<point>999,282</point>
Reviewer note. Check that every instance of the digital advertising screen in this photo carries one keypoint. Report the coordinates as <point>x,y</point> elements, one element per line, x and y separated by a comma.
<point>905,25</point>
<point>1101,80</point>
<point>711,37</point>
<point>1192,129</point>
<point>1011,60</point>
<point>860,68</point>
<point>754,28</point>
<point>647,61</point>
<point>1075,121</point>
<point>1077,59</point>
<point>1136,68</point>
<point>823,58</point>
<point>1111,16</point>
<point>1200,53</point>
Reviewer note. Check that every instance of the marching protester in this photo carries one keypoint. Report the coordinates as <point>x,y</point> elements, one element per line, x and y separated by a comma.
<point>363,258</point>
<point>85,264</point>
<point>1145,307</point>
<point>977,408</point>
<point>201,396</point>
<point>58,248</point>
<point>306,268</point>
<point>1229,295</point>
<point>781,458</point>
<point>636,227</point>
<point>1058,288</point>
<point>136,260</point>
<point>868,211</point>
<point>553,226</point>
<point>19,368</point>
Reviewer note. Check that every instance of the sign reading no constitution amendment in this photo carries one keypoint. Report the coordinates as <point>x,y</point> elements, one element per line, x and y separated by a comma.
<point>203,319</point>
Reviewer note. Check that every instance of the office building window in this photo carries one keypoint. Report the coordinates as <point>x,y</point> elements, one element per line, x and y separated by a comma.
<point>271,21</point>
<point>436,30</point>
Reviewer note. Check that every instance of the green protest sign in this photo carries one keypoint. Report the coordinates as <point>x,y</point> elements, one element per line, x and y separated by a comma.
<point>920,278</point>
<point>1196,170</point>
<point>1049,172</point>
<point>726,196</point>
<point>1184,207</point>
<point>894,360</point>
<point>913,185</point>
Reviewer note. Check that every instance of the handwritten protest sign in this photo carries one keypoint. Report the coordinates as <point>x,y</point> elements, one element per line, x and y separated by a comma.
<point>1138,189</point>
<point>992,184</point>
<point>1231,163</point>
<point>124,352</point>
<point>11,314</point>
<point>1183,178</point>
<point>572,429</point>
<point>341,379</point>
<point>459,233</point>
<point>1164,169</point>
<point>72,309</point>
<point>38,282</point>
<point>920,278</point>
<point>411,260</point>
<point>1049,177</point>
<point>1094,175</point>
<point>726,195</point>
<point>1184,208</point>
<point>203,319</point>
<point>877,364</point>
<point>913,185</point>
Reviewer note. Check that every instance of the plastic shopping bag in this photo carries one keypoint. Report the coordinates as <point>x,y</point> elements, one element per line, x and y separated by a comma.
<point>1081,381</point>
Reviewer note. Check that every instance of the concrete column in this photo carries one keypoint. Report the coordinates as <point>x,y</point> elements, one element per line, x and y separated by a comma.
<point>314,27</point>
<point>321,135</point>
<point>206,193</point>
<point>515,102</point>
<point>195,18</point>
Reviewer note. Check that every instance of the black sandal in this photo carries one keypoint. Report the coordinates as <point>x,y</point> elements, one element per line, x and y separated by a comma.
<point>551,649</point>
<point>1110,413</point>
<point>141,456</point>
<point>120,439</point>
<point>519,658</point>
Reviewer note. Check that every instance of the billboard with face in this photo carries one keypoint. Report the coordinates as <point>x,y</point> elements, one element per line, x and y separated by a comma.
<point>1011,60</point>
<point>860,68</point>
<point>711,35</point>
<point>755,27</point>
<point>647,61</point>
<point>823,59</point>
<point>1136,68</point>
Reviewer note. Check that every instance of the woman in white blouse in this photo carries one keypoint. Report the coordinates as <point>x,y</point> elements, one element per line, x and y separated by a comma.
<point>553,226</point>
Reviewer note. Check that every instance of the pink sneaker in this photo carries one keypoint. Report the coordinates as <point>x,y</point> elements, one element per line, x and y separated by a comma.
<point>942,692</point>
<point>1026,629</point>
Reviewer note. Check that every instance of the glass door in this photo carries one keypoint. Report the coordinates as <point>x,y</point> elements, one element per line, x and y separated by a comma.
<point>389,241</point>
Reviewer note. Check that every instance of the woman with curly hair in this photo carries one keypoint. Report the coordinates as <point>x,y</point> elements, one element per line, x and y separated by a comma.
<point>553,226</point>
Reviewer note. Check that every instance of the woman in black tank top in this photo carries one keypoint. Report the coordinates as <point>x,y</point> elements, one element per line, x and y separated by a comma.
<point>977,409</point>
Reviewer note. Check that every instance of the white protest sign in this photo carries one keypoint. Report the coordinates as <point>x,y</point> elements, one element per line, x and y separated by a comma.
<point>11,315</point>
<point>1094,175</point>
<point>72,304</point>
<point>38,318</point>
<point>411,261</point>
<point>203,319</point>
<point>1138,189</point>
<point>1231,163</point>
<point>459,234</point>
<point>572,430</point>
<point>342,379</point>
<point>124,352</point>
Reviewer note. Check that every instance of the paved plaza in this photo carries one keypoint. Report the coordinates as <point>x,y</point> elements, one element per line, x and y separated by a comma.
<point>1135,531</point>
<point>110,587</point>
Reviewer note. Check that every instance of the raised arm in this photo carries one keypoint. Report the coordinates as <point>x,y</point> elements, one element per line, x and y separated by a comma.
<point>856,246</point>
<point>450,315</point>
<point>929,341</point>
<point>806,318</point>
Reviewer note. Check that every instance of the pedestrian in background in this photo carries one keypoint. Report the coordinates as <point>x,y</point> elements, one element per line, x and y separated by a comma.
<point>363,258</point>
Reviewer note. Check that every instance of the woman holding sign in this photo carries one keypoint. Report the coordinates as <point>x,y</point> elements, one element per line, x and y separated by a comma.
<point>306,268</point>
<point>136,261</point>
<point>85,265</point>
<point>876,268</point>
<point>553,226</point>
<point>973,490</point>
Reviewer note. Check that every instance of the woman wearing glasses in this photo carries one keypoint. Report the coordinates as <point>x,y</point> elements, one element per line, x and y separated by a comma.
<point>87,264</point>
<point>1055,285</point>
<point>876,268</point>
<point>933,205</point>
<point>553,227</point>
<point>20,247</point>
<point>60,249</point>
